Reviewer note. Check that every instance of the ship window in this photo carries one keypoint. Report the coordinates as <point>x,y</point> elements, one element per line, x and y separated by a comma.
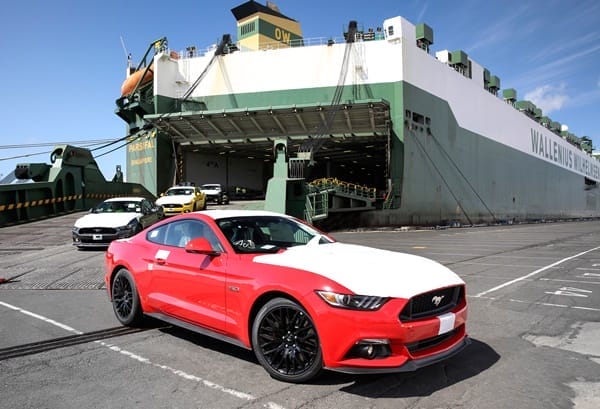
<point>427,121</point>
<point>418,118</point>
<point>390,30</point>
<point>407,114</point>
<point>248,28</point>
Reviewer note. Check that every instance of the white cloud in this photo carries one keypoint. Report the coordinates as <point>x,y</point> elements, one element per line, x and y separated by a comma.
<point>422,12</point>
<point>548,97</point>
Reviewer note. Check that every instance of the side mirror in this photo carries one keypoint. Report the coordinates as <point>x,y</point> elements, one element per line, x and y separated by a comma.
<point>200,245</point>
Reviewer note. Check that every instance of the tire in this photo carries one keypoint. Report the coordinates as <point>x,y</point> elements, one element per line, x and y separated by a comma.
<point>125,299</point>
<point>285,341</point>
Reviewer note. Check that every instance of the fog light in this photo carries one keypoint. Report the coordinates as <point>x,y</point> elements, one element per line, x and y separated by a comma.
<point>371,349</point>
<point>367,351</point>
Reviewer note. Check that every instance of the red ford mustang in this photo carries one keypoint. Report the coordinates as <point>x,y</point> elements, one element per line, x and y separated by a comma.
<point>299,299</point>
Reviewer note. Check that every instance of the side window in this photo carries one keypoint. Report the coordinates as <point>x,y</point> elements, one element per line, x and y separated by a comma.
<point>180,232</point>
<point>158,235</point>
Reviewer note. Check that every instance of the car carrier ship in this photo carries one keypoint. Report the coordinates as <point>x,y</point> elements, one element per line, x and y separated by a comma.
<point>371,125</point>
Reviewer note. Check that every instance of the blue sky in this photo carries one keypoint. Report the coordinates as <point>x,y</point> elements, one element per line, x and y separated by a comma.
<point>63,61</point>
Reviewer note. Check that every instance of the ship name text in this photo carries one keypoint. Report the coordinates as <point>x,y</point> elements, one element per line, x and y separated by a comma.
<point>282,35</point>
<point>561,154</point>
<point>141,146</point>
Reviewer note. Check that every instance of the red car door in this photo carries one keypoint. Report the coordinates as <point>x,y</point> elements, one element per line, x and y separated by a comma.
<point>189,286</point>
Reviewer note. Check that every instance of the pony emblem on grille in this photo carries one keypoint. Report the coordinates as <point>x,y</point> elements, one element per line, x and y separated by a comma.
<point>437,299</point>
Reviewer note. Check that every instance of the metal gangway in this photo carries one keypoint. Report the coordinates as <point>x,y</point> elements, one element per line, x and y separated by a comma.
<point>331,195</point>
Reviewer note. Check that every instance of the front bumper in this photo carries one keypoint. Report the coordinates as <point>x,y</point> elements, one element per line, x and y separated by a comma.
<point>174,209</point>
<point>408,346</point>
<point>100,239</point>
<point>213,198</point>
<point>408,366</point>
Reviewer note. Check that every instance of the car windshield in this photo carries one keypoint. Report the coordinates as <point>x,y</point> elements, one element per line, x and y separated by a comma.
<point>118,207</point>
<point>268,234</point>
<point>211,187</point>
<point>177,192</point>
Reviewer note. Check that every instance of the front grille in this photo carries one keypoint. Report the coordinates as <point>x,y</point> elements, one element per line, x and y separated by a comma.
<point>432,303</point>
<point>430,342</point>
<point>97,230</point>
<point>174,205</point>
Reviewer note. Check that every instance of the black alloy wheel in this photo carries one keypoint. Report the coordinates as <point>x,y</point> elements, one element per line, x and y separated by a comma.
<point>125,299</point>
<point>286,342</point>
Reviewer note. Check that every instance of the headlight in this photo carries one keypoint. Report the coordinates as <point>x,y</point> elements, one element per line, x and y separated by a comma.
<point>352,301</point>
<point>130,226</point>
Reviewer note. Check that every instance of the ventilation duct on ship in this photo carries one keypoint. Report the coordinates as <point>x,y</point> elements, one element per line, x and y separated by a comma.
<point>586,144</point>
<point>526,107</point>
<point>545,121</point>
<point>494,85</point>
<point>510,96</point>
<point>424,36</point>
<point>459,60</point>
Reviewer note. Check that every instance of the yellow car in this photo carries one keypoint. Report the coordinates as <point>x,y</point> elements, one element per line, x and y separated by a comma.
<point>182,199</point>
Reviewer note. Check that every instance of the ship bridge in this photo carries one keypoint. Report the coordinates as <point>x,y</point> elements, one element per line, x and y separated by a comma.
<point>356,142</point>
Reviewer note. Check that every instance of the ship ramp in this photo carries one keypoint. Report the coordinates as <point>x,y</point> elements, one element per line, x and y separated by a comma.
<point>71,182</point>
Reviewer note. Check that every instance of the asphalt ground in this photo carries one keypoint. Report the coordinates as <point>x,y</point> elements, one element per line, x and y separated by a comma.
<point>534,322</point>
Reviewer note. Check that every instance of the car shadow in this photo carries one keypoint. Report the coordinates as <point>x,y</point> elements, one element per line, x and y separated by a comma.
<point>472,360</point>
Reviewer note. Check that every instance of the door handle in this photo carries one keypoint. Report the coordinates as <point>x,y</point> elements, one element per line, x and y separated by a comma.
<point>160,261</point>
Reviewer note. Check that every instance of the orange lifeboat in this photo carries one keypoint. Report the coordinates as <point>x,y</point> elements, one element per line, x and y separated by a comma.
<point>131,81</point>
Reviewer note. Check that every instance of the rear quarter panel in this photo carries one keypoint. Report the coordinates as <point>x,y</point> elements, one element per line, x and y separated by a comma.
<point>132,255</point>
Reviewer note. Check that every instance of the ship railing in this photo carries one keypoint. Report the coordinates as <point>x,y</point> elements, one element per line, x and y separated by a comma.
<point>344,187</point>
<point>316,206</point>
<point>193,52</point>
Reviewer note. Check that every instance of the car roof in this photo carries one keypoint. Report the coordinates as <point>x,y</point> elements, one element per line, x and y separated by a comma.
<point>225,213</point>
<point>125,199</point>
